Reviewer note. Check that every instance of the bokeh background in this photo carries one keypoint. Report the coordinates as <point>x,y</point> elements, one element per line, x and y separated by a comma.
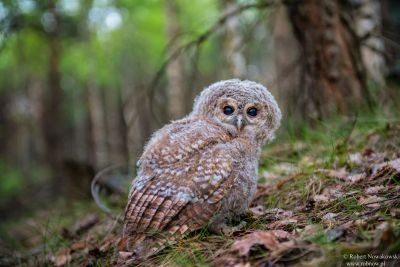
<point>83,84</point>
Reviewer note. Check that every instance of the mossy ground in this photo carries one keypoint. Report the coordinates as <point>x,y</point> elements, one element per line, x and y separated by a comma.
<point>328,186</point>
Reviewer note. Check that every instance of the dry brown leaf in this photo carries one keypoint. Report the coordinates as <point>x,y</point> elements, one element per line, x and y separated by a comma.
<point>267,239</point>
<point>122,243</point>
<point>258,210</point>
<point>340,174</point>
<point>281,223</point>
<point>247,264</point>
<point>329,216</point>
<point>62,257</point>
<point>85,224</point>
<point>109,242</point>
<point>370,201</point>
<point>281,213</point>
<point>322,198</point>
<point>329,194</point>
<point>360,222</point>
<point>281,234</point>
<point>355,178</point>
<point>344,175</point>
<point>356,159</point>
<point>124,255</point>
<point>374,189</point>
<point>80,245</point>
<point>393,164</point>
<point>228,260</point>
<point>284,246</point>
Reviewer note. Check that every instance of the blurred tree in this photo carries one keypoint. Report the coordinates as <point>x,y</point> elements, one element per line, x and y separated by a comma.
<point>175,71</point>
<point>332,74</point>
<point>52,118</point>
<point>233,43</point>
<point>390,31</point>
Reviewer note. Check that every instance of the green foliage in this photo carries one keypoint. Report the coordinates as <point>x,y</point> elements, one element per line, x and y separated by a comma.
<point>11,181</point>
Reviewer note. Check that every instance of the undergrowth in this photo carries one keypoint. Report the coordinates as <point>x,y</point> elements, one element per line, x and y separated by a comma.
<point>330,189</point>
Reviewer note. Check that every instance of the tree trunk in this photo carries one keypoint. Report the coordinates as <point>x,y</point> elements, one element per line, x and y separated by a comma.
<point>98,127</point>
<point>368,21</point>
<point>52,112</point>
<point>176,85</point>
<point>137,120</point>
<point>286,57</point>
<point>233,44</point>
<point>117,149</point>
<point>332,77</point>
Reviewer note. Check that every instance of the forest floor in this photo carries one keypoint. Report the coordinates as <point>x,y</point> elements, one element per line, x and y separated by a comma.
<point>327,196</point>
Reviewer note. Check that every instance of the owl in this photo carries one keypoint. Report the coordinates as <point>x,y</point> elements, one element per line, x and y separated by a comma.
<point>200,171</point>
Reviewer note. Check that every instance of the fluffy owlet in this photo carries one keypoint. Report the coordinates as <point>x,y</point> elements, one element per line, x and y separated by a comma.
<point>200,170</point>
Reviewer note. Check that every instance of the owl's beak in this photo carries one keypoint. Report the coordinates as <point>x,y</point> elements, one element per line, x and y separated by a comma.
<point>240,122</point>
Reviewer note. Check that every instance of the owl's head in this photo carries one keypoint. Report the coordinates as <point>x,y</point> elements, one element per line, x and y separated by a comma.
<point>241,107</point>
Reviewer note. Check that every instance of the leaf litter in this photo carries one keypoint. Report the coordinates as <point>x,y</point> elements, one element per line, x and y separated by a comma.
<point>303,214</point>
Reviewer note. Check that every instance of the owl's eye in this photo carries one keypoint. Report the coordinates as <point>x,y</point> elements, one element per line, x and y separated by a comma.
<point>252,112</point>
<point>228,110</point>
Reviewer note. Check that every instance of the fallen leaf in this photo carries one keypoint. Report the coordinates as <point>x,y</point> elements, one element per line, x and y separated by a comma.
<point>85,224</point>
<point>356,158</point>
<point>122,243</point>
<point>360,222</point>
<point>281,223</point>
<point>109,242</point>
<point>267,239</point>
<point>281,213</point>
<point>340,174</point>
<point>227,260</point>
<point>329,216</point>
<point>258,210</point>
<point>80,245</point>
<point>355,178</point>
<point>281,234</point>
<point>329,194</point>
<point>321,198</point>
<point>370,201</point>
<point>347,225</point>
<point>124,255</point>
<point>374,189</point>
<point>383,226</point>
<point>393,165</point>
<point>62,257</point>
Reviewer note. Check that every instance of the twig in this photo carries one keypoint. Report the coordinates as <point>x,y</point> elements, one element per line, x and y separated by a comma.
<point>204,36</point>
<point>95,192</point>
<point>197,42</point>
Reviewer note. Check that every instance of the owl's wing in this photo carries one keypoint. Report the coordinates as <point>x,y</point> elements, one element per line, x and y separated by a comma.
<point>173,197</point>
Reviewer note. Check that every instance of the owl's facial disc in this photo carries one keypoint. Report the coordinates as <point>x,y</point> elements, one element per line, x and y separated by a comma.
<point>234,114</point>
